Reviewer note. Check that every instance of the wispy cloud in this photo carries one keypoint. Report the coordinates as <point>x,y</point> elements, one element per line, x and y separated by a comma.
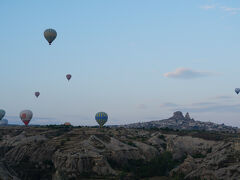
<point>203,103</point>
<point>207,7</point>
<point>223,97</point>
<point>185,73</point>
<point>168,104</point>
<point>231,10</point>
<point>206,106</point>
<point>142,106</point>
<point>214,108</point>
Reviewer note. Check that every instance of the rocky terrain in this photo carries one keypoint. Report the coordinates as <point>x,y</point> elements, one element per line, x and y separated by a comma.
<point>65,152</point>
<point>178,121</point>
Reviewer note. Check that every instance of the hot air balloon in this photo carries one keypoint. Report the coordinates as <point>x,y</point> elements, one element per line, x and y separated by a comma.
<point>50,35</point>
<point>101,118</point>
<point>237,90</point>
<point>4,122</point>
<point>37,94</point>
<point>68,76</point>
<point>26,116</point>
<point>67,124</point>
<point>2,113</point>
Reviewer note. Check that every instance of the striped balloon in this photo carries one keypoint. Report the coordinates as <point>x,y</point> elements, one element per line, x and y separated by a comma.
<point>101,118</point>
<point>2,113</point>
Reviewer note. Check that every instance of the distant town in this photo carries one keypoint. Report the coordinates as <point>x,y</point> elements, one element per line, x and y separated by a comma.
<point>180,122</point>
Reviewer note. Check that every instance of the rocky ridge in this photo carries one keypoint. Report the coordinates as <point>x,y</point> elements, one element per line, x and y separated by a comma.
<point>178,121</point>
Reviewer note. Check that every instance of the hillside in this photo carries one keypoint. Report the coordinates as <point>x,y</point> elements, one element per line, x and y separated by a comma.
<point>178,121</point>
<point>61,152</point>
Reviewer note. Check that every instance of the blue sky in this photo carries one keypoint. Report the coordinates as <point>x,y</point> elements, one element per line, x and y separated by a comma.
<point>137,60</point>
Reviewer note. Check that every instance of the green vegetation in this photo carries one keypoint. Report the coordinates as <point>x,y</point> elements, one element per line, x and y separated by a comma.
<point>199,133</point>
<point>59,126</point>
<point>62,142</point>
<point>159,166</point>
<point>177,176</point>
<point>164,146</point>
<point>198,155</point>
<point>33,170</point>
<point>209,150</point>
<point>130,143</point>
<point>162,137</point>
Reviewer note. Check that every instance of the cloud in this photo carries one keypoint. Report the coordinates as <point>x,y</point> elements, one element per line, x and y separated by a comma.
<point>142,106</point>
<point>185,73</point>
<point>203,104</point>
<point>231,10</point>
<point>200,107</point>
<point>169,105</point>
<point>207,7</point>
<point>224,97</point>
<point>234,108</point>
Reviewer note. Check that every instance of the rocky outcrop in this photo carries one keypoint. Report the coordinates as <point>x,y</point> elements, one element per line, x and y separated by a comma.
<point>7,173</point>
<point>179,122</point>
<point>177,115</point>
<point>65,153</point>
<point>74,163</point>
<point>148,151</point>
<point>222,163</point>
<point>187,116</point>
<point>183,145</point>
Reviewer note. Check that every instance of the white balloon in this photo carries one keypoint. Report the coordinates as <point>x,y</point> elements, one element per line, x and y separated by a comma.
<point>26,116</point>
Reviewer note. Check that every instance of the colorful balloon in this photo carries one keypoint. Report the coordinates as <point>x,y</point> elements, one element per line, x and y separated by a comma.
<point>68,76</point>
<point>237,90</point>
<point>37,94</point>
<point>101,118</point>
<point>2,113</point>
<point>50,35</point>
<point>26,116</point>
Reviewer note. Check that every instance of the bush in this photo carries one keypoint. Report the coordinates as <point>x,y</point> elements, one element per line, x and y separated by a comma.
<point>159,166</point>
<point>62,142</point>
<point>209,150</point>
<point>162,137</point>
<point>164,146</point>
<point>130,143</point>
<point>198,155</point>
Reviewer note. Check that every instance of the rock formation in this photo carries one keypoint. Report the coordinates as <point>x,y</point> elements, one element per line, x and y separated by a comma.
<point>61,153</point>
<point>178,121</point>
<point>178,115</point>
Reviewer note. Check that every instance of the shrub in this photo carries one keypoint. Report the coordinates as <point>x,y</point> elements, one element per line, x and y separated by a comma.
<point>159,166</point>
<point>162,137</point>
<point>130,143</point>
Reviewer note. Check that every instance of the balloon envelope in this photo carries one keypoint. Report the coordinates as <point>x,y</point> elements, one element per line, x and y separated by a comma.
<point>37,94</point>
<point>2,113</point>
<point>26,116</point>
<point>4,122</point>
<point>237,90</point>
<point>50,35</point>
<point>101,118</point>
<point>68,76</point>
